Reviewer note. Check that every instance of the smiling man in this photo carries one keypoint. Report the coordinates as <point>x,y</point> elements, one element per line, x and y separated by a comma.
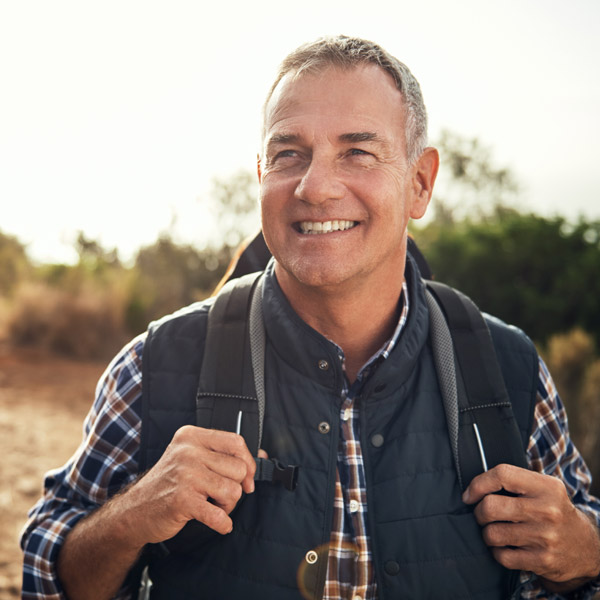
<point>353,400</point>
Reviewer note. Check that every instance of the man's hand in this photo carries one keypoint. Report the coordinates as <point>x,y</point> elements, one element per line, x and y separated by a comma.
<point>538,530</point>
<point>198,465</point>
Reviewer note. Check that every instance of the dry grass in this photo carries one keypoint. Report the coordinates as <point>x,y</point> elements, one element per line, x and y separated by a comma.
<point>88,324</point>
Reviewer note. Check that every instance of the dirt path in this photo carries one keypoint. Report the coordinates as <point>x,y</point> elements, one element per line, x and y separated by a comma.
<point>43,400</point>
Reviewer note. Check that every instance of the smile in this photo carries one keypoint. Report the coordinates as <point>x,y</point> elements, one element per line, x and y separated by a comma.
<point>315,227</point>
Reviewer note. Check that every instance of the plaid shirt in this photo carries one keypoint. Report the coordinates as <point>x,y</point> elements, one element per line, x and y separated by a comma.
<point>107,459</point>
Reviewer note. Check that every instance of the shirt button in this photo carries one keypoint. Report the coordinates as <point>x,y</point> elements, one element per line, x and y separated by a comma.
<point>347,414</point>
<point>311,557</point>
<point>324,427</point>
<point>323,365</point>
<point>354,506</point>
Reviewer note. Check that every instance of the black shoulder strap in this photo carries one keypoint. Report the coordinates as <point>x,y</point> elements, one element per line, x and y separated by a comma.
<point>487,430</point>
<point>226,386</point>
<point>230,393</point>
<point>481,424</point>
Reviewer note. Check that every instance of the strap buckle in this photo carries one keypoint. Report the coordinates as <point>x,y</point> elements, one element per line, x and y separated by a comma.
<point>271,469</point>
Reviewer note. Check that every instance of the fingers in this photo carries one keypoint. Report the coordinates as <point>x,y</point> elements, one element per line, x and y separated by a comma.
<point>201,475</point>
<point>503,477</point>
<point>214,517</point>
<point>495,507</point>
<point>224,453</point>
<point>537,530</point>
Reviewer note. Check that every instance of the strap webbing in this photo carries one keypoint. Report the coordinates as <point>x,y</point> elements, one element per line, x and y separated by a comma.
<point>227,379</point>
<point>257,351</point>
<point>443,355</point>
<point>481,394</point>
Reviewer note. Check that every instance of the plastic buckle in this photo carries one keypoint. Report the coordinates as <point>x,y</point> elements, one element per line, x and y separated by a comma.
<point>287,475</point>
<point>276,472</point>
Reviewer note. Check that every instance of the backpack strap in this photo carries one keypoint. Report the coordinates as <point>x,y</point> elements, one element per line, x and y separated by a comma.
<point>231,391</point>
<point>482,428</point>
<point>227,381</point>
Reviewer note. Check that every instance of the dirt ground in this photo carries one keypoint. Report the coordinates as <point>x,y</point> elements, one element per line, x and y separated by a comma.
<point>43,401</point>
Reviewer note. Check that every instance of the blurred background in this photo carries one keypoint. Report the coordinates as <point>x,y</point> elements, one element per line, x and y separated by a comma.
<point>128,140</point>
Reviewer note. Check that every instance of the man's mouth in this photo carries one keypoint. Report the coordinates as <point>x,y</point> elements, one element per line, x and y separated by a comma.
<point>315,227</point>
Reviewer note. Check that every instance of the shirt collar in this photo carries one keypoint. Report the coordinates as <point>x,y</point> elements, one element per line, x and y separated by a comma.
<point>383,353</point>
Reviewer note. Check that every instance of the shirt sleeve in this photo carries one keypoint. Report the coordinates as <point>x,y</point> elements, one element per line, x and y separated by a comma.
<point>552,452</point>
<point>106,460</point>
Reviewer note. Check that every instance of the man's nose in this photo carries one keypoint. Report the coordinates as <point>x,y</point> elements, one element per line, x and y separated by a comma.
<point>321,182</point>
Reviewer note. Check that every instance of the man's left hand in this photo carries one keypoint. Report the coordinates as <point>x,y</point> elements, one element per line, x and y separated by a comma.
<point>539,529</point>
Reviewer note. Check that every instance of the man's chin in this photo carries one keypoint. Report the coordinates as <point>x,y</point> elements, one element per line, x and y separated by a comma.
<point>311,275</point>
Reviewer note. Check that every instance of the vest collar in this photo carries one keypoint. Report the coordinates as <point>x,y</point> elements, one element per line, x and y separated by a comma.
<point>317,358</point>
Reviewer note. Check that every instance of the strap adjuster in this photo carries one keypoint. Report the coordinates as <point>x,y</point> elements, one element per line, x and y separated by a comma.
<point>271,469</point>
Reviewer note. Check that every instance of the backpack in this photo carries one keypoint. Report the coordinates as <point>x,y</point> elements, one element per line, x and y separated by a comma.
<point>482,429</point>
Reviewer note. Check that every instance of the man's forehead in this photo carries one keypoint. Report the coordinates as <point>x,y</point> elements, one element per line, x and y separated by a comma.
<point>322,72</point>
<point>357,92</point>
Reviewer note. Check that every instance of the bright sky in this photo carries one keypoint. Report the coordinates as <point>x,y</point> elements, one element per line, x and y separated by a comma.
<point>116,114</point>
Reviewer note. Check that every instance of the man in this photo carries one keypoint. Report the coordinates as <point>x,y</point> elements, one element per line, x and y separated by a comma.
<point>352,398</point>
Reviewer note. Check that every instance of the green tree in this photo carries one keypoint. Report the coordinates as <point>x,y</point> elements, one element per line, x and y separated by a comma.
<point>535,272</point>
<point>469,184</point>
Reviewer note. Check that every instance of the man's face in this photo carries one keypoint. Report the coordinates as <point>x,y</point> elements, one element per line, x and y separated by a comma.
<point>336,187</point>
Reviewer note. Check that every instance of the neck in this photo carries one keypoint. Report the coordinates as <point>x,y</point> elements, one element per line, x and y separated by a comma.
<point>358,320</point>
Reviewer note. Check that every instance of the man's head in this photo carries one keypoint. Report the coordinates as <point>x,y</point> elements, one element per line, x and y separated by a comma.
<point>347,52</point>
<point>339,175</point>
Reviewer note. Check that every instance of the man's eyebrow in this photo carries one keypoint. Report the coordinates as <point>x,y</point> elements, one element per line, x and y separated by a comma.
<point>360,136</point>
<point>283,138</point>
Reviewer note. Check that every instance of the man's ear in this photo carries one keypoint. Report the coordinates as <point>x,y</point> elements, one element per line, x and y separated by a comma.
<point>258,169</point>
<point>424,174</point>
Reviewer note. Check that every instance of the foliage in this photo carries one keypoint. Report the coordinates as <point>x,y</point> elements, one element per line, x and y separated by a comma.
<point>168,276</point>
<point>535,272</point>
<point>575,368</point>
<point>87,324</point>
<point>468,182</point>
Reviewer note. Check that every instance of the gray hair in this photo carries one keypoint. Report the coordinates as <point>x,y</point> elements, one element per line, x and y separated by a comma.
<point>347,52</point>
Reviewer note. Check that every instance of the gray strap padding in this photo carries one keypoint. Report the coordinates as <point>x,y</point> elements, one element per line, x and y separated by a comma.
<point>257,351</point>
<point>443,355</point>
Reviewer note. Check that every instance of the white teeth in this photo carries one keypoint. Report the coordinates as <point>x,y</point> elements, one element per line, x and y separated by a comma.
<point>325,226</point>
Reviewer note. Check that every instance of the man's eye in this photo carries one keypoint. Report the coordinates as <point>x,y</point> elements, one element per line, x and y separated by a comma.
<point>285,154</point>
<point>358,152</point>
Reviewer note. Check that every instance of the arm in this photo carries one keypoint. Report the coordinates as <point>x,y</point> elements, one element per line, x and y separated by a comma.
<point>198,464</point>
<point>83,521</point>
<point>96,472</point>
<point>551,527</point>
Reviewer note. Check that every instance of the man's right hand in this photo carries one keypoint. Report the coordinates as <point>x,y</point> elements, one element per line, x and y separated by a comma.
<point>201,476</point>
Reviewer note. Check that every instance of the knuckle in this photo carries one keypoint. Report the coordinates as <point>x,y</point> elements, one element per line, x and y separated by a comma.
<point>239,470</point>
<point>503,471</point>
<point>488,535</point>
<point>545,560</point>
<point>236,493</point>
<point>233,489</point>
<point>552,513</point>
<point>183,432</point>
<point>487,507</point>
<point>238,442</point>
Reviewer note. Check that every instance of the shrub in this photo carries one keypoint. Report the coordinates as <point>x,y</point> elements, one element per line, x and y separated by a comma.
<point>86,324</point>
<point>575,369</point>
